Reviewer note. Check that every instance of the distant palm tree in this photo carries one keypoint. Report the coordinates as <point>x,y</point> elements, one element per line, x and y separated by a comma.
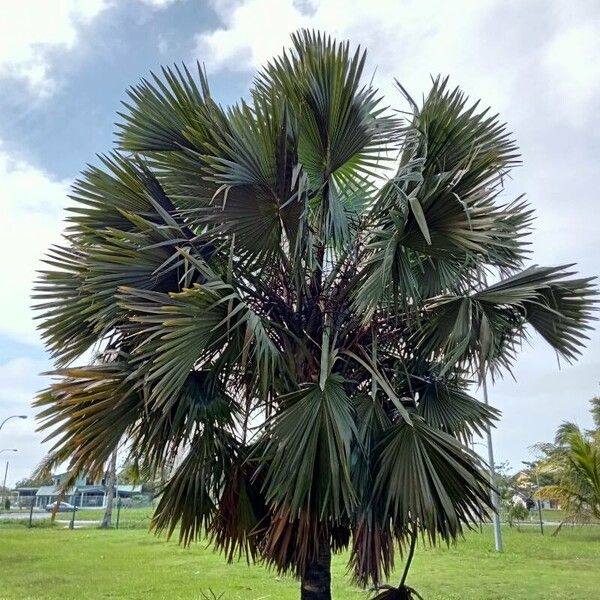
<point>574,463</point>
<point>291,297</point>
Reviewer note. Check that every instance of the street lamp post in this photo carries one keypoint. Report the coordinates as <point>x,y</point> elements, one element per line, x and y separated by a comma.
<point>473,444</point>
<point>5,474</point>
<point>118,497</point>
<point>12,417</point>
<point>492,467</point>
<point>8,450</point>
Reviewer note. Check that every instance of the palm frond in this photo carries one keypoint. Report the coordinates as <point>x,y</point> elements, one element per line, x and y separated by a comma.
<point>308,450</point>
<point>344,134</point>
<point>160,113</point>
<point>193,328</point>
<point>88,410</point>
<point>486,328</point>
<point>445,404</point>
<point>187,499</point>
<point>438,487</point>
<point>158,435</point>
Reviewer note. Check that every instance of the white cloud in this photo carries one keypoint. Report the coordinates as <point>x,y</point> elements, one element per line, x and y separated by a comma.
<point>31,28</point>
<point>254,31</point>
<point>489,46</point>
<point>158,3</point>
<point>163,45</point>
<point>572,60</point>
<point>427,36</point>
<point>30,213</point>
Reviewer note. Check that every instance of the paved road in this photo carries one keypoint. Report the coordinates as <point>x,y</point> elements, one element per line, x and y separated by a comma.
<point>78,524</point>
<point>61,518</point>
<point>24,515</point>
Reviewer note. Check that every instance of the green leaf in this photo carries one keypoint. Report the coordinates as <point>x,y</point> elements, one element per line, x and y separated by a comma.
<point>417,210</point>
<point>308,450</point>
<point>438,485</point>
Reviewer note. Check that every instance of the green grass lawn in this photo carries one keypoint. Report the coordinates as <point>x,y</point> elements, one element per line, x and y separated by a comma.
<point>129,518</point>
<point>55,563</point>
<point>551,515</point>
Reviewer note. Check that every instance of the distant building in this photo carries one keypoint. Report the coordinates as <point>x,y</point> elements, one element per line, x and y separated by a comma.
<point>86,492</point>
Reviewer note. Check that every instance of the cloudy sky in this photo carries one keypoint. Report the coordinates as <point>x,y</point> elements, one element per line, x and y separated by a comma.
<point>64,67</point>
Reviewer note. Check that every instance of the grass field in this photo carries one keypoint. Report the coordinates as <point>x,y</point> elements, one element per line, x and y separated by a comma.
<point>129,518</point>
<point>52,563</point>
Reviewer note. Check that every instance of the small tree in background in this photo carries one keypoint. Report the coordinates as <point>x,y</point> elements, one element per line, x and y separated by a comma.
<point>506,486</point>
<point>293,296</point>
<point>34,480</point>
<point>134,473</point>
<point>573,460</point>
<point>515,510</point>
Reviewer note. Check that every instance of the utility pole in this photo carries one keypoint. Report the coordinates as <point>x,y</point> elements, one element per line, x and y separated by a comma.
<point>5,472</point>
<point>118,498</point>
<point>4,487</point>
<point>494,493</point>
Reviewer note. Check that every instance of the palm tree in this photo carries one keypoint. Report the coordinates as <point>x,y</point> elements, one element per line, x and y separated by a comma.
<point>573,461</point>
<point>291,297</point>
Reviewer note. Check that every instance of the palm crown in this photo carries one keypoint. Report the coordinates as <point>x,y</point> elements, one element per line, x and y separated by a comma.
<point>288,299</point>
<point>573,464</point>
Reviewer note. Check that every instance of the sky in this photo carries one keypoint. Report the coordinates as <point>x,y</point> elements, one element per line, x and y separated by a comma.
<point>65,66</point>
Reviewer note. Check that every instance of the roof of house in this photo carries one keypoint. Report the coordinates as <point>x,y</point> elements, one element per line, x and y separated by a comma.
<point>55,490</point>
<point>48,490</point>
<point>90,488</point>
<point>129,488</point>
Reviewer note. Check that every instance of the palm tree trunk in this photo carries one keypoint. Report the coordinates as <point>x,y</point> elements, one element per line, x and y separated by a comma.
<point>111,476</point>
<point>316,581</point>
